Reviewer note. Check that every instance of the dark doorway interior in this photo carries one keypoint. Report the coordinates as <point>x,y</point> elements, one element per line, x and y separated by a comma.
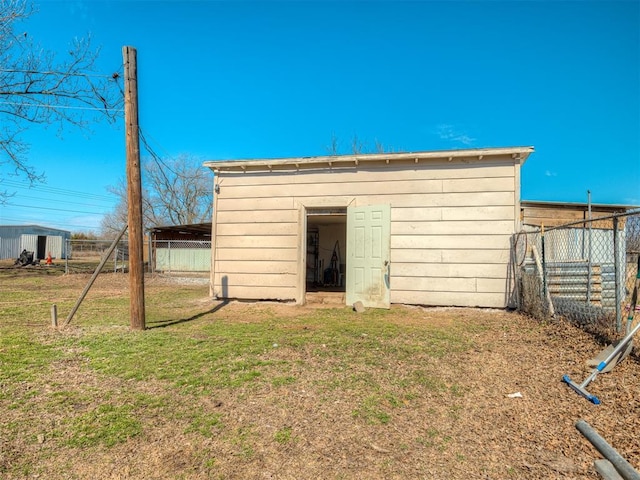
<point>42,247</point>
<point>326,250</point>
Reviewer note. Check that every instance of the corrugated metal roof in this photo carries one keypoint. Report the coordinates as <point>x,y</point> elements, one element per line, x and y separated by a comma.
<point>195,228</point>
<point>32,230</point>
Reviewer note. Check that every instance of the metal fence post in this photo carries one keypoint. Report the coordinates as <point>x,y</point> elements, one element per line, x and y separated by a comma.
<point>544,264</point>
<point>616,274</point>
<point>150,256</point>
<point>589,267</point>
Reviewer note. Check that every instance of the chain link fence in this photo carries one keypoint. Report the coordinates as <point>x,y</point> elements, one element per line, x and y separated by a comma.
<point>83,256</point>
<point>180,256</point>
<point>583,271</point>
<point>176,257</point>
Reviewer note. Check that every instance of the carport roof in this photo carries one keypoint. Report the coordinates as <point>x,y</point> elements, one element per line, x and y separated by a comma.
<point>195,228</point>
<point>519,154</point>
<point>602,207</point>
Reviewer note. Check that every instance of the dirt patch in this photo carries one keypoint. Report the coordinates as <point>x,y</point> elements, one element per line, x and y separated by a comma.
<point>478,432</point>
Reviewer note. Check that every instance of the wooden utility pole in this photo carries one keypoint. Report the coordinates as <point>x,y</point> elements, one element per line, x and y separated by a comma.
<point>134,196</point>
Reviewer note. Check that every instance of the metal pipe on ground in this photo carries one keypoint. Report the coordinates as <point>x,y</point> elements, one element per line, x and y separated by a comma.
<point>624,468</point>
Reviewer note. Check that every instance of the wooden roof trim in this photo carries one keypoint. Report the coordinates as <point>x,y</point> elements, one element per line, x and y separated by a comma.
<point>576,205</point>
<point>515,153</point>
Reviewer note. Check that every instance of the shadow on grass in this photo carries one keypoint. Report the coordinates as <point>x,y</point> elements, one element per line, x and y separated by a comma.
<point>168,323</point>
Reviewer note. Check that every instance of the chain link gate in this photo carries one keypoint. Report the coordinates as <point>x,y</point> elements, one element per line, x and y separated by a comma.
<point>583,271</point>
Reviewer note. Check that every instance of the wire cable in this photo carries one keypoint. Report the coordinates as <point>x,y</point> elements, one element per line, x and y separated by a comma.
<point>53,209</point>
<point>53,200</point>
<point>157,158</point>
<point>56,190</point>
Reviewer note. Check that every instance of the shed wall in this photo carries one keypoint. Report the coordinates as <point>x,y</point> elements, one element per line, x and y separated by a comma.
<point>15,238</point>
<point>9,247</point>
<point>30,243</point>
<point>53,245</point>
<point>183,259</point>
<point>451,224</point>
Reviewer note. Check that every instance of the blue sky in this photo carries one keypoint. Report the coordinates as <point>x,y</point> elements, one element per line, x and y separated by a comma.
<point>235,79</point>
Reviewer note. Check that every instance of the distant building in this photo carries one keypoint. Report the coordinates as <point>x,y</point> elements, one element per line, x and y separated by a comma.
<point>553,214</point>
<point>181,248</point>
<point>42,241</point>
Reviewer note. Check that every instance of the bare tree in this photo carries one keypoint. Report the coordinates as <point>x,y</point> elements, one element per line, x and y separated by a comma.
<point>380,148</point>
<point>333,147</point>
<point>175,192</point>
<point>180,191</point>
<point>357,146</point>
<point>112,222</point>
<point>37,88</point>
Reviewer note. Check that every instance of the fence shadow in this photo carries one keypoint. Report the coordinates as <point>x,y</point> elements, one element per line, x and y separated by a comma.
<point>168,323</point>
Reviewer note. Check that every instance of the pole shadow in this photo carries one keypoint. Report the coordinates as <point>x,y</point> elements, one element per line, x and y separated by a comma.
<point>224,303</point>
<point>168,323</point>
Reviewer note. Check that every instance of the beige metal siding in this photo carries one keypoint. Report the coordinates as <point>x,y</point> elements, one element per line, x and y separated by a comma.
<point>451,223</point>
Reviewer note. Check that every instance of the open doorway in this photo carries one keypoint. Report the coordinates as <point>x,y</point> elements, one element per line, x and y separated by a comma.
<point>326,250</point>
<point>41,252</point>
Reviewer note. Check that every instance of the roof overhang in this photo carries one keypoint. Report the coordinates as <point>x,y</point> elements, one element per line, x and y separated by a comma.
<point>194,228</point>
<point>610,207</point>
<point>516,154</point>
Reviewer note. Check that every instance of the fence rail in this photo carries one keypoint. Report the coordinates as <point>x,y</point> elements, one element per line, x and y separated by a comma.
<point>160,256</point>
<point>83,256</point>
<point>583,271</point>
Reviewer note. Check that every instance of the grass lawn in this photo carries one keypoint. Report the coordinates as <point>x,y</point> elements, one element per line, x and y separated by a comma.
<point>266,390</point>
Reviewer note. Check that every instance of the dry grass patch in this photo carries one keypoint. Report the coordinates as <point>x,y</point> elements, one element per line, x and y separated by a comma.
<point>268,390</point>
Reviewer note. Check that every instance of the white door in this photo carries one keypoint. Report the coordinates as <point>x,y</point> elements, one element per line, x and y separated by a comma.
<point>368,254</point>
<point>54,246</point>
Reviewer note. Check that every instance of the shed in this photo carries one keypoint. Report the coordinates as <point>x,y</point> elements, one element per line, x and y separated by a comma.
<point>553,214</point>
<point>183,248</point>
<point>33,238</point>
<point>427,228</point>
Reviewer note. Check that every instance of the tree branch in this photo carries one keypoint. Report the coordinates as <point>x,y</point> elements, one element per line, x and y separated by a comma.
<point>36,88</point>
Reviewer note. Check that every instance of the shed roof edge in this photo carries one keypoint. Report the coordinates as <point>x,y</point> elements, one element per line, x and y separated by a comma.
<point>521,153</point>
